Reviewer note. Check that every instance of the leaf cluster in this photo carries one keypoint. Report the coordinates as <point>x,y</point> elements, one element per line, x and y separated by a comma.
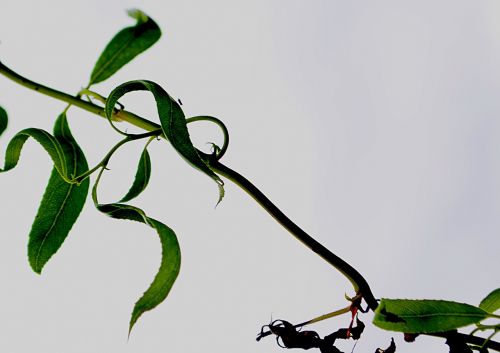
<point>69,182</point>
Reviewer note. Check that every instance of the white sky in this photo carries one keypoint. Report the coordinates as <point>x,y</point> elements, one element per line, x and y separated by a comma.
<point>374,125</point>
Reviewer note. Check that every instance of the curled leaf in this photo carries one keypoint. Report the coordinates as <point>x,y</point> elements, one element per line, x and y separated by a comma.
<point>287,335</point>
<point>45,139</point>
<point>425,316</point>
<point>170,258</point>
<point>125,46</point>
<point>172,121</point>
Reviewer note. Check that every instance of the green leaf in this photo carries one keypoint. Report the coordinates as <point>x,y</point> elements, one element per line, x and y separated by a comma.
<point>61,203</point>
<point>167,273</point>
<point>173,123</point>
<point>48,142</point>
<point>142,176</point>
<point>3,120</point>
<point>491,303</point>
<point>170,258</point>
<point>126,45</point>
<point>425,316</point>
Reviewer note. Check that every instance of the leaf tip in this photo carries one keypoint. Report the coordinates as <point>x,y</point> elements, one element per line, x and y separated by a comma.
<point>37,268</point>
<point>133,319</point>
<point>140,16</point>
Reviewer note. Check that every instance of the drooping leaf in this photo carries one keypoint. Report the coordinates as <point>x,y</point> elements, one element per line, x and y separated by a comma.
<point>170,258</point>
<point>3,120</point>
<point>48,142</point>
<point>173,123</point>
<point>425,316</point>
<point>167,273</point>
<point>62,202</point>
<point>126,45</point>
<point>491,303</point>
<point>141,179</point>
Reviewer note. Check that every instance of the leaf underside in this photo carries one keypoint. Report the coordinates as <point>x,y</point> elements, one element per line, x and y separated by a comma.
<point>171,254</point>
<point>425,316</point>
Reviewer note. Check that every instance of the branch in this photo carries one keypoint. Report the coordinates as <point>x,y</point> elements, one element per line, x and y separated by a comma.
<point>76,101</point>
<point>358,281</point>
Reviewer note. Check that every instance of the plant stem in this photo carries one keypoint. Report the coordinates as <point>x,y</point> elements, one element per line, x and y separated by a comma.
<point>76,101</point>
<point>358,281</point>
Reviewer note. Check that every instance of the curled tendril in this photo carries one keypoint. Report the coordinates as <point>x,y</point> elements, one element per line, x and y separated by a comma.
<point>218,151</point>
<point>104,162</point>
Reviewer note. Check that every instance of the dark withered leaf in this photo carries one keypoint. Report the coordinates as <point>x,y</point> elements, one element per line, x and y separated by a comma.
<point>390,349</point>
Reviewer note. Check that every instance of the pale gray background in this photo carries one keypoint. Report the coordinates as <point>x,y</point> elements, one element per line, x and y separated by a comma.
<point>373,124</point>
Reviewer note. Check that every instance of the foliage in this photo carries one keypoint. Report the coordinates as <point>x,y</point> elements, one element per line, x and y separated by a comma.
<point>425,316</point>
<point>69,184</point>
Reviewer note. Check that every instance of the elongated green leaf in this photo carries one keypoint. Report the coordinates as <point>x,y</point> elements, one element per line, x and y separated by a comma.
<point>173,123</point>
<point>3,120</point>
<point>141,179</point>
<point>425,316</point>
<point>492,302</point>
<point>170,258</point>
<point>126,45</point>
<point>167,273</point>
<point>61,203</point>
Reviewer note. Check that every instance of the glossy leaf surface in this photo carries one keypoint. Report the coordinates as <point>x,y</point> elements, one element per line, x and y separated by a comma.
<point>491,303</point>
<point>125,46</point>
<point>425,316</point>
<point>62,202</point>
